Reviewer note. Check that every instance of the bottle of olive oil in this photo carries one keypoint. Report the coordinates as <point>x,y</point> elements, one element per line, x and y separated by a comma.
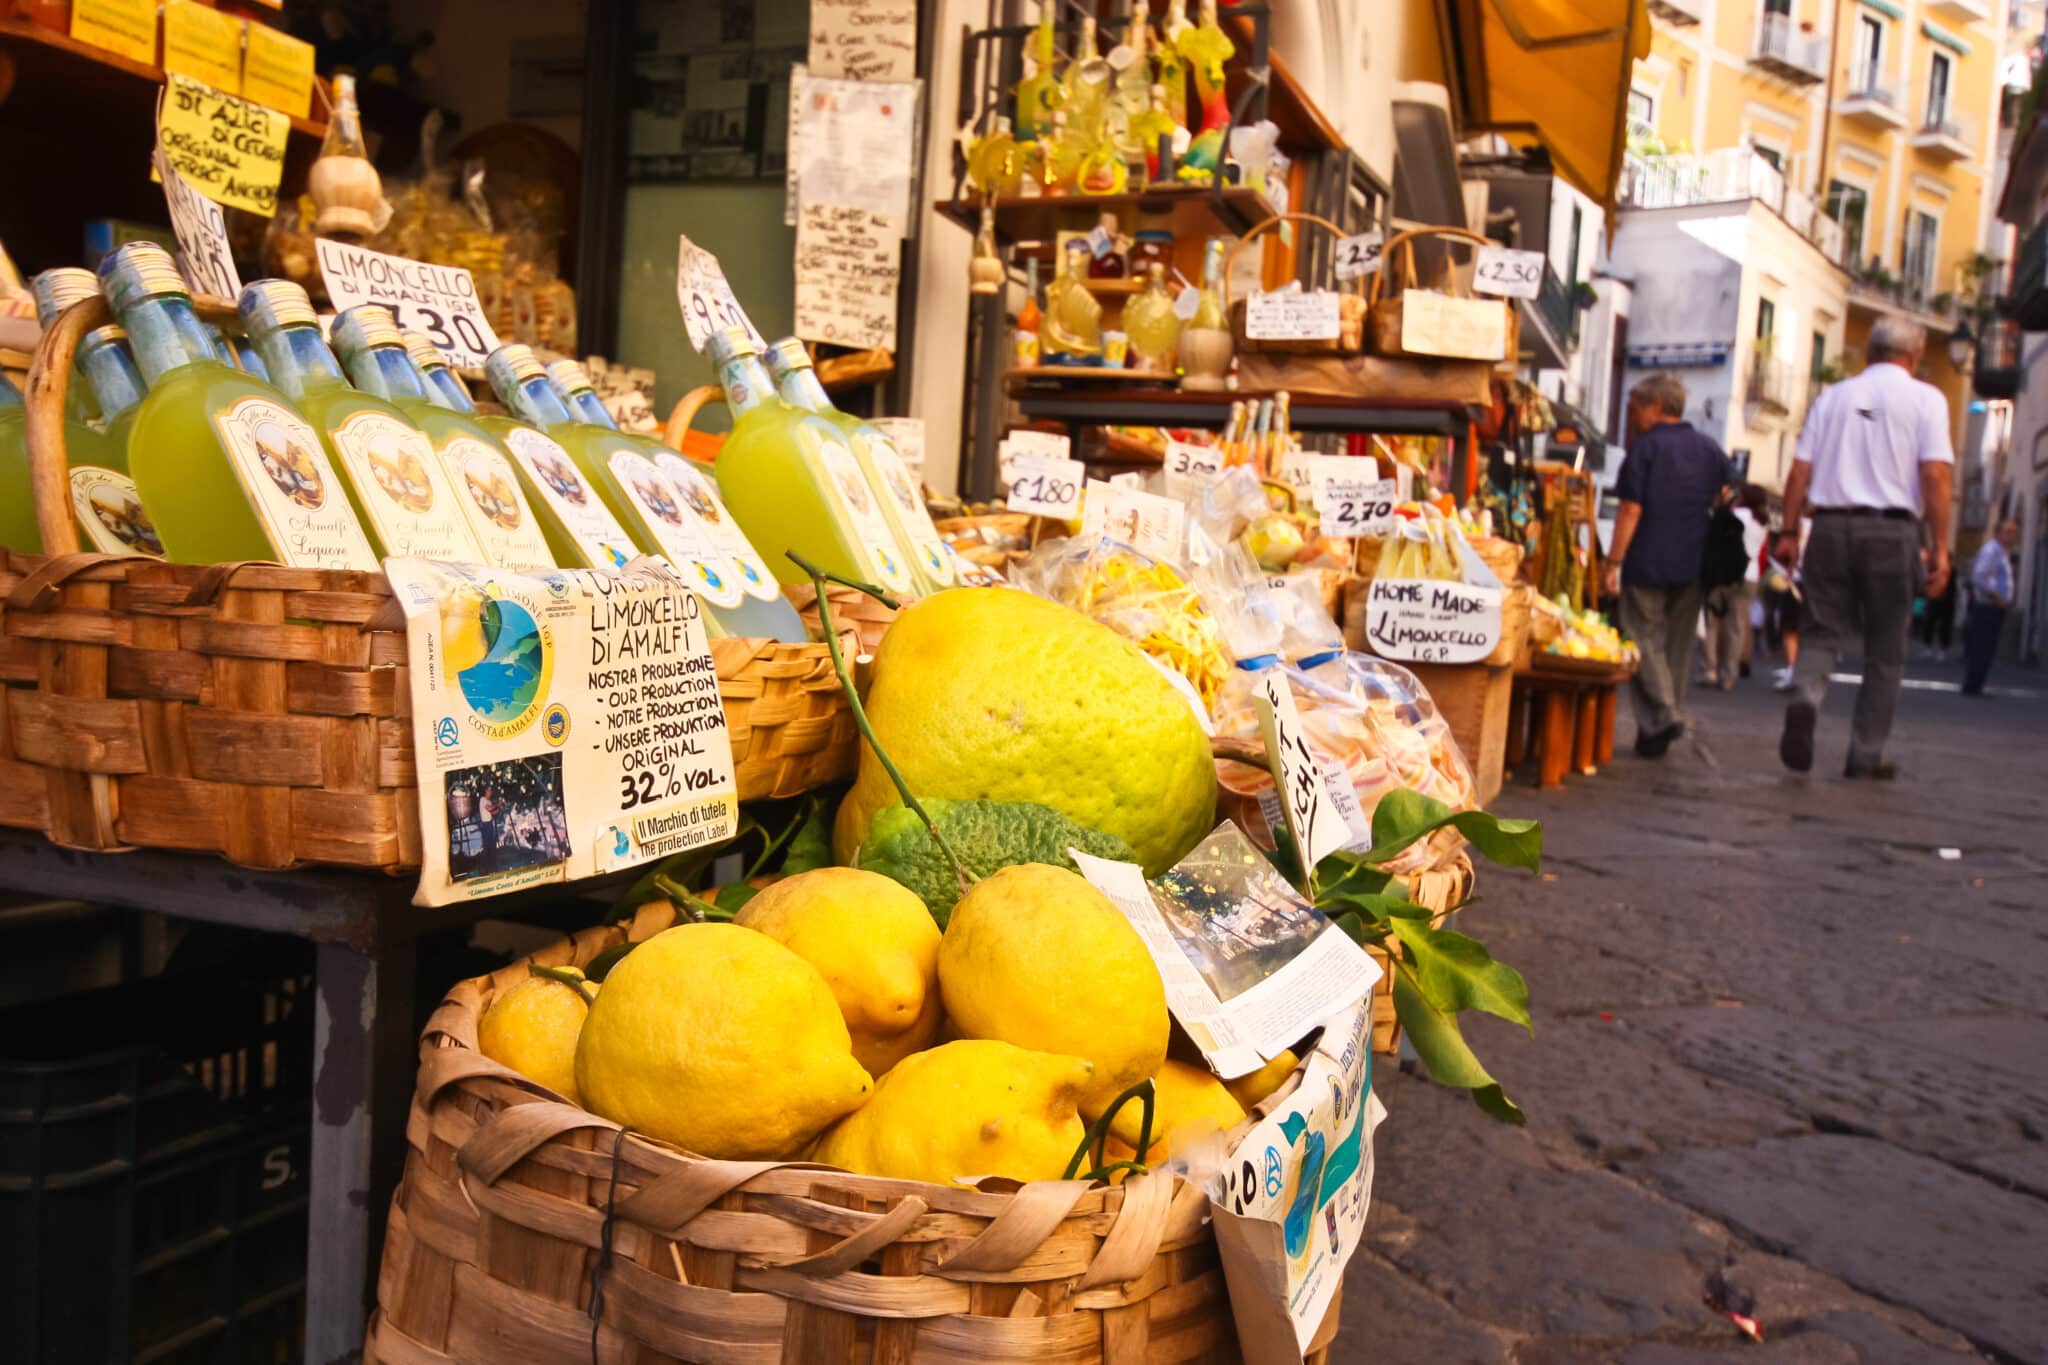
<point>110,515</point>
<point>581,531</point>
<point>227,467</point>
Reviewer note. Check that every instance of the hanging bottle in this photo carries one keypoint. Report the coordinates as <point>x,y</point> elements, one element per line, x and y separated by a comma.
<point>1084,86</point>
<point>344,186</point>
<point>1133,88</point>
<point>1038,92</point>
<point>1173,67</point>
<point>995,163</point>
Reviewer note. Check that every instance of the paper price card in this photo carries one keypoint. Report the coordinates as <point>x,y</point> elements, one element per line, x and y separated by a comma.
<point>1185,460</point>
<point>1358,255</point>
<point>437,301</point>
<point>124,27</point>
<point>1456,329</point>
<point>203,43</point>
<point>1045,486</point>
<point>1291,315</point>
<point>1508,273</point>
<point>202,232</point>
<point>707,300</point>
<point>1432,620</point>
<point>907,435</point>
<point>278,71</point>
<point>228,149</point>
<point>565,724</point>
<point>1353,500</point>
<point>1144,521</point>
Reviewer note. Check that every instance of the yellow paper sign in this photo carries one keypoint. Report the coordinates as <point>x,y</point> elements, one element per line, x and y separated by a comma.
<point>228,149</point>
<point>278,71</point>
<point>204,44</point>
<point>126,27</point>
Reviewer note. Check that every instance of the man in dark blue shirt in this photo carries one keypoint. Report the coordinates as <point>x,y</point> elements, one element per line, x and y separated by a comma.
<point>1668,486</point>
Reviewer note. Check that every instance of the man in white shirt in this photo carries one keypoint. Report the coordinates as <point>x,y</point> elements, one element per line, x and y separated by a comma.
<point>1874,463</point>
<point>1990,595</point>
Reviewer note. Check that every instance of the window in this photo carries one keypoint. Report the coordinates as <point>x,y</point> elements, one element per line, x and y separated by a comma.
<point>1820,357</point>
<point>1642,115</point>
<point>1923,241</point>
<point>1938,73</point>
<point>1781,7</point>
<point>1849,205</point>
<point>1769,153</point>
<point>1766,324</point>
<point>1867,67</point>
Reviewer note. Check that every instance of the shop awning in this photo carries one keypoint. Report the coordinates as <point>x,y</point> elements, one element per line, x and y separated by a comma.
<point>1554,70</point>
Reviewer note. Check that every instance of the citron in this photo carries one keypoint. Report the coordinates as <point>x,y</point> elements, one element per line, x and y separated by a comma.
<point>1036,956</point>
<point>965,1110</point>
<point>1008,697</point>
<point>720,1040</point>
<point>532,1027</point>
<point>877,947</point>
<point>1254,1086</point>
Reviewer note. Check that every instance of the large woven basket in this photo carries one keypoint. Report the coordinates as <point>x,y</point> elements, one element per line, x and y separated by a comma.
<point>263,712</point>
<point>1351,306</point>
<point>528,1232</point>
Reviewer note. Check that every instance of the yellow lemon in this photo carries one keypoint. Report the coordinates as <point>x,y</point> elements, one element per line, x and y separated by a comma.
<point>1035,956</point>
<point>532,1027</point>
<point>1254,1086</point>
<point>1190,1102</point>
<point>1009,697</point>
<point>965,1110</point>
<point>463,641</point>
<point>877,947</point>
<point>719,1039</point>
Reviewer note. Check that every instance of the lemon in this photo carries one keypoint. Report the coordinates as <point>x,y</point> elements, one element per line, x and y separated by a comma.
<point>877,947</point>
<point>965,1110</point>
<point>1254,1086</point>
<point>720,1040</point>
<point>1008,697</point>
<point>1190,1102</point>
<point>1035,956</point>
<point>532,1027</point>
<point>463,640</point>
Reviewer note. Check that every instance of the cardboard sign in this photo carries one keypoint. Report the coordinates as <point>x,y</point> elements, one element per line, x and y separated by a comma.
<point>1319,829</point>
<point>126,28</point>
<point>1353,500</point>
<point>848,263</point>
<point>437,301</point>
<point>1358,255</point>
<point>1507,273</point>
<point>228,149</point>
<point>203,254</point>
<point>1292,315</point>
<point>565,724</point>
<point>707,300</point>
<point>1146,522</point>
<point>1432,620</point>
<point>277,70</point>
<point>864,40</point>
<point>203,43</point>
<point>1456,329</point>
<point>1046,487</point>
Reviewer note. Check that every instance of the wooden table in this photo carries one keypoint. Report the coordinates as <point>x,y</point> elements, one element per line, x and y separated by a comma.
<point>1562,715</point>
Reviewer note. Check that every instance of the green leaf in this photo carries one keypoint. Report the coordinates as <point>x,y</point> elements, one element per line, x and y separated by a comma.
<point>735,897</point>
<point>601,966</point>
<point>1457,973</point>
<point>811,848</point>
<point>988,835</point>
<point>1374,905</point>
<point>1438,1042</point>
<point>684,869</point>
<point>1364,932</point>
<point>1402,817</point>
<point>1343,872</point>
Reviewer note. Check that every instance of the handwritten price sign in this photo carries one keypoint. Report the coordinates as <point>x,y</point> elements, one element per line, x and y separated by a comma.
<point>1046,486</point>
<point>1352,500</point>
<point>437,301</point>
<point>1359,255</point>
<point>1507,273</point>
<point>1319,829</point>
<point>707,301</point>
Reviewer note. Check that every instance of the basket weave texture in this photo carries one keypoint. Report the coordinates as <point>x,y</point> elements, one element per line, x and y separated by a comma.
<point>499,1235</point>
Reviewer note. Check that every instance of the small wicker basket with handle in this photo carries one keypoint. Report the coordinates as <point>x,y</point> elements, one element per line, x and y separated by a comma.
<point>1351,305</point>
<point>1389,309</point>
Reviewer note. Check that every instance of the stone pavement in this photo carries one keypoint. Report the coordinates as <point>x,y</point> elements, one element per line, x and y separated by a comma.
<point>1782,1047</point>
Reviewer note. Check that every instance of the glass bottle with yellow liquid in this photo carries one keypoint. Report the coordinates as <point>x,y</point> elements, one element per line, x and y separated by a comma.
<point>228,468</point>
<point>367,341</point>
<point>789,478</point>
<point>1073,317</point>
<point>581,531</point>
<point>708,523</point>
<point>388,465</point>
<point>18,529</point>
<point>443,384</point>
<point>1039,92</point>
<point>103,498</point>
<point>898,493</point>
<point>1152,325</point>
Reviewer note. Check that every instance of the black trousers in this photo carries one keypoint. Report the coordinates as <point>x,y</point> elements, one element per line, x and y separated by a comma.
<point>1981,629</point>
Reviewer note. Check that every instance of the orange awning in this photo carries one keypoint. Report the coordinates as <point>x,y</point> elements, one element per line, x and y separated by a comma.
<point>1555,70</point>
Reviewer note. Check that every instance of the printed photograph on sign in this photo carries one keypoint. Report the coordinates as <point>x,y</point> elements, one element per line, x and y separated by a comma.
<point>505,816</point>
<point>1237,934</point>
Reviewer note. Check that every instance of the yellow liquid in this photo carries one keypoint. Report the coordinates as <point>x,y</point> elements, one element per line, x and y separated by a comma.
<point>17,494</point>
<point>487,487</point>
<point>580,530</point>
<point>416,512</point>
<point>901,500</point>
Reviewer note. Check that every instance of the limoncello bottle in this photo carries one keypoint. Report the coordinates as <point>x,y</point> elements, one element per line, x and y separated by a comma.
<point>18,530</point>
<point>227,467</point>
<point>486,489</point>
<point>1039,91</point>
<point>103,498</point>
<point>901,500</point>
<point>443,384</point>
<point>581,531</point>
<point>1152,325</point>
<point>54,291</point>
<point>793,484</point>
<point>763,612</point>
<point>388,465</point>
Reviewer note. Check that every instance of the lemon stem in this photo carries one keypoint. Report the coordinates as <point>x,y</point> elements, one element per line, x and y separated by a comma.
<point>688,901</point>
<point>860,715</point>
<point>570,978</point>
<point>1097,1135</point>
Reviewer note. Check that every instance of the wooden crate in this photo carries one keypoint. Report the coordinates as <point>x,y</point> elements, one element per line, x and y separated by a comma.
<point>1474,701</point>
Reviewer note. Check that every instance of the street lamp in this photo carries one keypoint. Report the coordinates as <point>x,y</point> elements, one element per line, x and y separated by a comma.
<point>1961,344</point>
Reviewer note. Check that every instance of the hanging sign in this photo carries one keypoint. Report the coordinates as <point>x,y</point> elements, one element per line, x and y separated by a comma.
<point>1455,329</point>
<point>228,149</point>
<point>1353,499</point>
<point>1507,273</point>
<point>707,300</point>
<point>565,724</point>
<point>1358,255</point>
<point>1292,315</point>
<point>864,40</point>
<point>204,257</point>
<point>437,301</point>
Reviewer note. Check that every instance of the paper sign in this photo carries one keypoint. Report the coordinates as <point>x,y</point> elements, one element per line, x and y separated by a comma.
<point>565,724</point>
<point>1187,303</point>
<point>707,300</point>
<point>907,435</point>
<point>278,71</point>
<point>1318,828</point>
<point>864,40</point>
<point>1358,255</point>
<point>1025,441</point>
<point>1457,329</point>
<point>228,149</point>
<point>1046,487</point>
<point>1186,460</point>
<point>1292,315</point>
<point>856,146</point>
<point>1352,497</point>
<point>203,43</point>
<point>848,261</point>
<point>203,255</point>
<point>1508,273</point>
<point>1146,522</point>
<point>1432,620</point>
<point>124,27</point>
<point>627,392</point>
<point>437,301</point>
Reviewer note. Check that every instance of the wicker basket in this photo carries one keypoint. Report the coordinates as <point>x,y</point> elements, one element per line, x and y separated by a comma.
<point>853,611</point>
<point>1388,309</point>
<point>517,1212</point>
<point>262,712</point>
<point>1351,308</point>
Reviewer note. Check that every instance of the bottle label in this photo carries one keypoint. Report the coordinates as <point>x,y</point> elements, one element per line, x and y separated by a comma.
<point>697,489</point>
<point>863,516</point>
<point>110,512</point>
<point>291,486</point>
<point>686,540</point>
<point>404,489</point>
<point>925,541</point>
<point>488,491</point>
<point>588,521</point>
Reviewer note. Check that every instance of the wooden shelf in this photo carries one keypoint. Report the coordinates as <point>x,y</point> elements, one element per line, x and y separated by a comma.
<point>1190,211</point>
<point>1083,407</point>
<point>1109,289</point>
<point>1085,374</point>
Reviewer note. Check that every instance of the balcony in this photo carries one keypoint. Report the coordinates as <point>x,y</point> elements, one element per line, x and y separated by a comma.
<point>1728,176</point>
<point>1872,103</point>
<point>1960,11</point>
<point>1947,135</point>
<point>1773,384</point>
<point>1786,51</point>
<point>1877,290</point>
<point>1682,13</point>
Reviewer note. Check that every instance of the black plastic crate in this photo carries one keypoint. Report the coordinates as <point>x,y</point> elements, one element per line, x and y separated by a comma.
<point>154,1150</point>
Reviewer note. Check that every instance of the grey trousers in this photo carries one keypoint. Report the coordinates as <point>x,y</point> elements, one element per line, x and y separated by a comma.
<point>1663,622</point>
<point>1857,577</point>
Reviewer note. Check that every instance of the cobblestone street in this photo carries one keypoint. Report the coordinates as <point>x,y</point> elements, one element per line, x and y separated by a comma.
<point>1780,1040</point>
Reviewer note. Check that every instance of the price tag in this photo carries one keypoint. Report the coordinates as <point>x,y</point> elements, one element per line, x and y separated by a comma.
<point>1186,302</point>
<point>437,301</point>
<point>208,265</point>
<point>1294,472</point>
<point>1359,255</point>
<point>228,149</point>
<point>1508,273</point>
<point>1146,522</point>
<point>1190,468</point>
<point>1046,487</point>
<point>707,300</point>
<point>1354,501</point>
<point>1288,315</point>
<point>277,70</point>
<point>1099,241</point>
<point>1318,827</point>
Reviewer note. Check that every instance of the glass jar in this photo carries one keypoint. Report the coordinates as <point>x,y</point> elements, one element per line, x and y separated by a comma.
<point>1149,245</point>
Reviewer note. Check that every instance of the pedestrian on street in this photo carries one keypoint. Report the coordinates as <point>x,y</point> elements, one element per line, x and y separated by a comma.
<point>1780,583</point>
<point>1728,635</point>
<point>1875,469</point>
<point>1669,485</point>
<point>1990,596</point>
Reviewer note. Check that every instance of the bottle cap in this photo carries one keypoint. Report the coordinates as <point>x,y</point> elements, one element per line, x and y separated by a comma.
<point>510,366</point>
<point>569,376</point>
<point>728,343</point>
<point>787,355</point>
<point>56,290</point>
<point>140,270</point>
<point>109,335</point>
<point>268,305</point>
<point>424,353</point>
<point>363,326</point>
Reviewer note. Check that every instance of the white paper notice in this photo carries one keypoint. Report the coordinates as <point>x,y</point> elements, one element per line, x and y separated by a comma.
<point>1289,315</point>
<point>1144,521</point>
<point>706,299</point>
<point>1358,255</point>
<point>1457,329</point>
<point>1045,486</point>
<point>1317,826</point>
<point>1190,468</point>
<point>1432,620</point>
<point>864,40</point>
<point>565,724</point>
<point>848,262</point>
<point>437,301</point>
<point>203,254</point>
<point>1508,273</point>
<point>1353,500</point>
<point>857,145</point>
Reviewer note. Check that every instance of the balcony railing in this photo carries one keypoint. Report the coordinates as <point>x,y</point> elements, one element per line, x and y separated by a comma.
<point>1788,52</point>
<point>1947,131</point>
<point>1773,384</point>
<point>1555,305</point>
<point>1873,99</point>
<point>1727,176</point>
